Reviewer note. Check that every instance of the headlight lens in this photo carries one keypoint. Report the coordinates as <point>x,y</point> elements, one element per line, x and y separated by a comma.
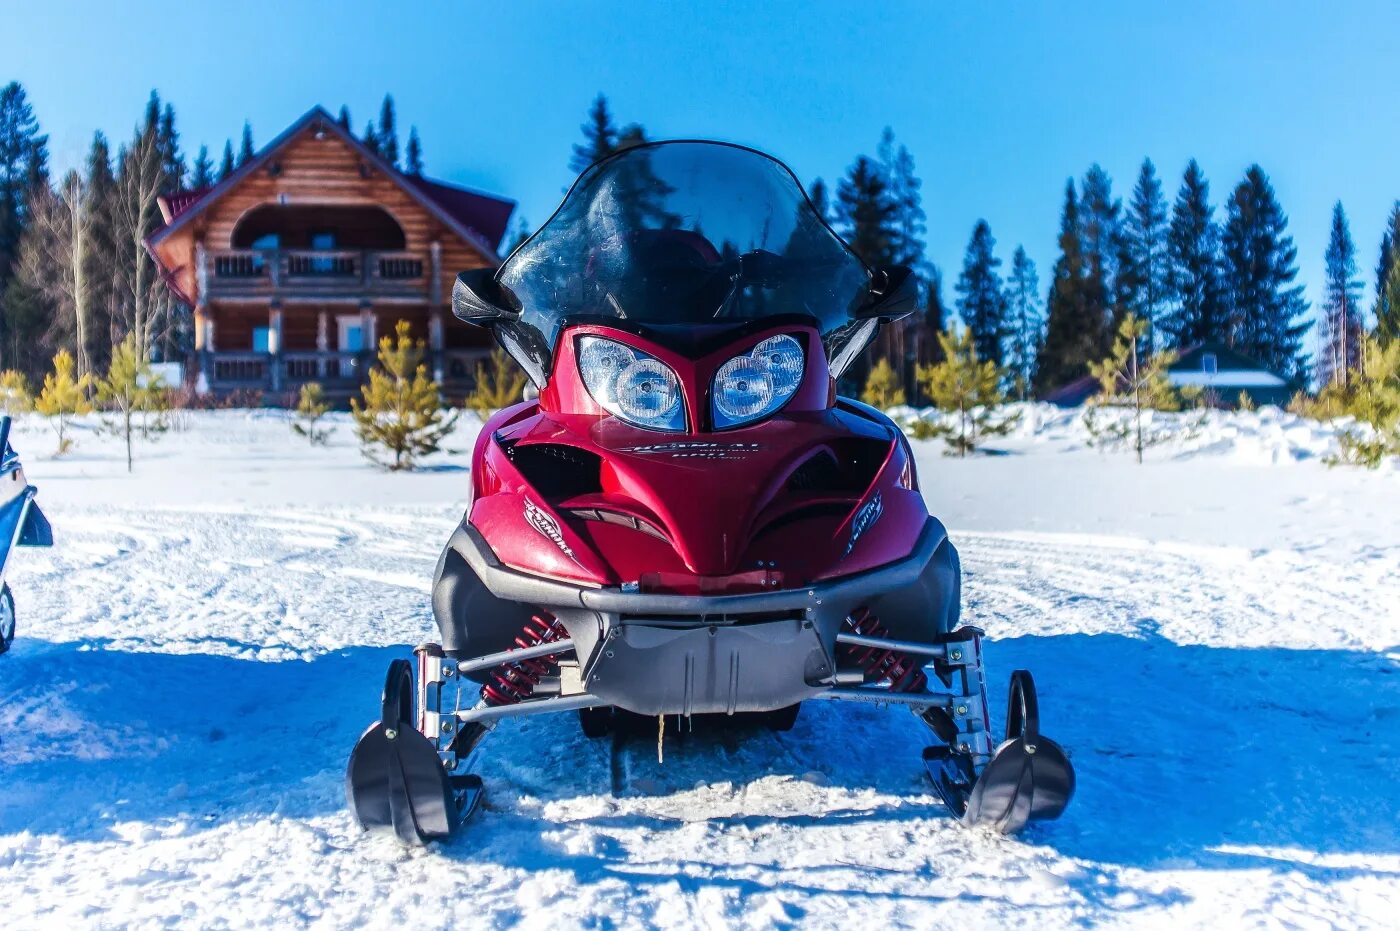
<point>752,386</point>
<point>630,384</point>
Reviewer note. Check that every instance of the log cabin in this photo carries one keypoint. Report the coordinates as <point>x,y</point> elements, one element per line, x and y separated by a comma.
<point>297,262</point>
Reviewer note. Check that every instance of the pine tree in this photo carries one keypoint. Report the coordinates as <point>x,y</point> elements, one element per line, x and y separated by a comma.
<point>981,304</point>
<point>1073,320</point>
<point>599,136</point>
<point>1388,322</point>
<point>311,407</point>
<point>908,226</point>
<point>388,134</point>
<point>103,250</point>
<point>497,386</point>
<point>1341,307</point>
<point>866,213</point>
<point>226,164</point>
<point>371,138</point>
<point>413,159</point>
<point>1264,306</point>
<point>128,389</point>
<point>23,168</point>
<point>401,412</point>
<point>1130,377</point>
<point>1194,285</point>
<point>245,145</point>
<point>344,118</point>
<point>968,388</point>
<point>1024,322</point>
<point>882,389</point>
<point>1143,274</point>
<point>15,397</point>
<point>202,174</point>
<point>63,397</point>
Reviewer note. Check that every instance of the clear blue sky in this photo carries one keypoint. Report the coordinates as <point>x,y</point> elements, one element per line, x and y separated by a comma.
<point>998,103</point>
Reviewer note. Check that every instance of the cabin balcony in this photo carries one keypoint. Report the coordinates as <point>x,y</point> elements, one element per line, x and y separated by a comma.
<point>316,275</point>
<point>340,373</point>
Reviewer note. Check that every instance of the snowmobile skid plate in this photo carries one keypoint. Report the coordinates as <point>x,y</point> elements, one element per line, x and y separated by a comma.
<point>396,782</point>
<point>1029,776</point>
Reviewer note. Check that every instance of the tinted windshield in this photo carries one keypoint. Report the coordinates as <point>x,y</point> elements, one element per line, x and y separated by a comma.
<point>683,234</point>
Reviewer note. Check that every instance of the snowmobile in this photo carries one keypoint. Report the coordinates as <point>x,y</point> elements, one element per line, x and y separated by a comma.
<point>21,524</point>
<point>684,518</point>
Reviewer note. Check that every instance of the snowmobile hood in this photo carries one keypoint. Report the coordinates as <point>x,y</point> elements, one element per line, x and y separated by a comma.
<point>805,496</point>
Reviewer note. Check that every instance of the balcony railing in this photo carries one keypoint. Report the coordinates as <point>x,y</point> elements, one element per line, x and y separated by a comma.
<point>285,372</point>
<point>252,273</point>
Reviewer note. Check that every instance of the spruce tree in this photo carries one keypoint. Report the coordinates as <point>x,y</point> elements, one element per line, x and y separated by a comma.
<point>226,164</point>
<point>388,133</point>
<point>103,251</point>
<point>1386,310</point>
<point>172,160</point>
<point>344,118</point>
<point>413,158</point>
<point>1264,306</point>
<point>1100,218</point>
<point>1341,304</point>
<point>1024,323</point>
<point>1143,274</point>
<point>1074,319</point>
<point>599,136</point>
<point>245,145</point>
<point>1194,286</point>
<point>908,224</point>
<point>371,138</point>
<point>1388,319</point>
<point>981,304</point>
<point>202,174</point>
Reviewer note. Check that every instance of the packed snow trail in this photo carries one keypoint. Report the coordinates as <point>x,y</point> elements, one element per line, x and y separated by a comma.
<point>175,719</point>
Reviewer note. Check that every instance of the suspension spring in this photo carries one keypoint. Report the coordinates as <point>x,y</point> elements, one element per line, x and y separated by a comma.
<point>903,671</point>
<point>515,682</point>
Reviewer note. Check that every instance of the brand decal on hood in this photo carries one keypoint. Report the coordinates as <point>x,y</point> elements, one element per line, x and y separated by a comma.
<point>694,449</point>
<point>866,517</point>
<point>547,527</point>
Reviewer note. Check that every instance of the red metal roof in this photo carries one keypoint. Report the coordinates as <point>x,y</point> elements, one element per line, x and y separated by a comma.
<point>483,213</point>
<point>181,201</point>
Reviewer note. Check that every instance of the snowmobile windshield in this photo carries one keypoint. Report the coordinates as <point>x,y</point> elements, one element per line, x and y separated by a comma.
<point>681,239</point>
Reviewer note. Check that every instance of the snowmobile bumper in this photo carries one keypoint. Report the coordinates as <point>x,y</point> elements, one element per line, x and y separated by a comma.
<point>662,653</point>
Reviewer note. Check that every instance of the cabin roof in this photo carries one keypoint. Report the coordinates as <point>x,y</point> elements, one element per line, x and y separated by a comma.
<point>478,218</point>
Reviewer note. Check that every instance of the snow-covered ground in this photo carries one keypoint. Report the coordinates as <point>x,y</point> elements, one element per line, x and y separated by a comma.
<point>1216,636</point>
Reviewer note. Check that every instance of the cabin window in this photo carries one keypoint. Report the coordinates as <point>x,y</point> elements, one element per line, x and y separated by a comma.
<point>1209,364</point>
<point>267,241</point>
<point>262,339</point>
<point>322,241</point>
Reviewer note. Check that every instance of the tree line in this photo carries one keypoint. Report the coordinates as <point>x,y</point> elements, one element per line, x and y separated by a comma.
<point>75,274</point>
<point>1188,271</point>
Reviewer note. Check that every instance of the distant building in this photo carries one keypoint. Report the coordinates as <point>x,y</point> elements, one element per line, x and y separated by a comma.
<point>300,260</point>
<point>1221,372</point>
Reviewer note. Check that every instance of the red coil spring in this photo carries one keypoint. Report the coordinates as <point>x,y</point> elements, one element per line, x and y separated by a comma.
<point>904,673</point>
<point>515,682</point>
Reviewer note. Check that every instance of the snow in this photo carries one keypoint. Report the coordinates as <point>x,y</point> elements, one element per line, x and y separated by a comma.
<point>1215,633</point>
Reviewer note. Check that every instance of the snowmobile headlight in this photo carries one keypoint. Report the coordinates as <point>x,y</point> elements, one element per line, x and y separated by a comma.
<point>630,384</point>
<point>751,386</point>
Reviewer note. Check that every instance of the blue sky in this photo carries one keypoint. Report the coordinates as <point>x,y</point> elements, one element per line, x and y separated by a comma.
<point>999,104</point>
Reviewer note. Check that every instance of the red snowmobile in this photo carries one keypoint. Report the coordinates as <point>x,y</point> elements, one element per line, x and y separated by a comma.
<point>687,520</point>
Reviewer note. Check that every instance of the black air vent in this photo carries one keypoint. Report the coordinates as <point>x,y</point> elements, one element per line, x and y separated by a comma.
<point>557,471</point>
